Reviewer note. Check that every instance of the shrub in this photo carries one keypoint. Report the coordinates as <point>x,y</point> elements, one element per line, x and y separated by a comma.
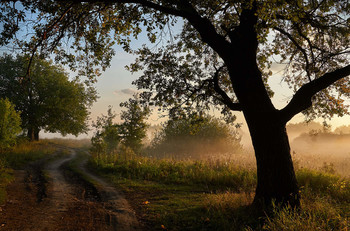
<point>195,136</point>
<point>10,122</point>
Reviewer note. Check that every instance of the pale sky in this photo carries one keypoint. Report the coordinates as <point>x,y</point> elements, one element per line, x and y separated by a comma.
<point>114,86</point>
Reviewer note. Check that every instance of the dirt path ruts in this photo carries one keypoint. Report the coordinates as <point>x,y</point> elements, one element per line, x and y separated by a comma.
<point>119,210</point>
<point>58,204</point>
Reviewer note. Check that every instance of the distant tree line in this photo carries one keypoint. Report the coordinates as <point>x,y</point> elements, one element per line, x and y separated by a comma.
<point>183,135</point>
<point>195,135</point>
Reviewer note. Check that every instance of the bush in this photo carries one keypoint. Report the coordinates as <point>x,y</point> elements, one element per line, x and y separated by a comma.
<point>10,122</point>
<point>195,136</point>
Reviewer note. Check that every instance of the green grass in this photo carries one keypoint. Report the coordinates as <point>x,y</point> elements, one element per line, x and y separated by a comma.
<point>71,143</point>
<point>25,152</point>
<point>211,175</point>
<point>193,195</point>
<point>317,213</point>
<point>17,158</point>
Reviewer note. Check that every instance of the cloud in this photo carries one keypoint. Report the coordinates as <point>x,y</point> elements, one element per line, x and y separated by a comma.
<point>126,91</point>
<point>277,68</point>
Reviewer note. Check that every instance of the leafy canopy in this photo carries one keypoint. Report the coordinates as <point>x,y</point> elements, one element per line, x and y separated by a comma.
<point>107,134</point>
<point>310,37</point>
<point>48,100</point>
<point>10,123</point>
<point>134,126</point>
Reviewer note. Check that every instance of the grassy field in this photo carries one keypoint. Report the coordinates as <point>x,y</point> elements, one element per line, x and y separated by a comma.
<point>17,158</point>
<point>216,195</point>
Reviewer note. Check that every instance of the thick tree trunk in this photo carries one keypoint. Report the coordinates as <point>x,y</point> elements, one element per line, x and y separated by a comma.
<point>36,134</point>
<point>33,134</point>
<point>276,177</point>
<point>30,134</point>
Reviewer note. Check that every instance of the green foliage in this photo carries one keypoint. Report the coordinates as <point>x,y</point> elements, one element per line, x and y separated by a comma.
<point>111,137</point>
<point>221,56</point>
<point>195,135</point>
<point>134,126</point>
<point>320,214</point>
<point>24,153</point>
<point>208,173</point>
<point>48,99</point>
<point>10,124</point>
<point>107,136</point>
<point>324,184</point>
<point>311,36</point>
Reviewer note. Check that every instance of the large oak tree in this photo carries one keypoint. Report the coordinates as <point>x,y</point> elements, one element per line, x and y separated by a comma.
<point>222,55</point>
<point>48,100</point>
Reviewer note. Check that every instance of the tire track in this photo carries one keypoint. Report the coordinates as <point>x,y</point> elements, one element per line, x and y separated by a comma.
<point>120,213</point>
<point>63,207</point>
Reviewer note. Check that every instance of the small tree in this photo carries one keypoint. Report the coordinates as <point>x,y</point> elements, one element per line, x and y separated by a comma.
<point>130,133</point>
<point>196,135</point>
<point>134,126</point>
<point>107,135</point>
<point>10,124</point>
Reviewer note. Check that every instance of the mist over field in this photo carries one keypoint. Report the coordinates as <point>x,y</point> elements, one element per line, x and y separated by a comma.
<point>313,146</point>
<point>322,149</point>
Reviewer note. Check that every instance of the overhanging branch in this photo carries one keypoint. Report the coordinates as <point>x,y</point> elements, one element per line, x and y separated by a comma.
<point>302,50</point>
<point>185,10</point>
<point>145,3</point>
<point>302,98</point>
<point>44,37</point>
<point>225,99</point>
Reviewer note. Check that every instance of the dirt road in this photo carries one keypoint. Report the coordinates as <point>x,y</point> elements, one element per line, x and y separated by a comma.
<point>50,197</point>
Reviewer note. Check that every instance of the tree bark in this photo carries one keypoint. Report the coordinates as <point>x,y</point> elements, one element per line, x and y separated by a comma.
<point>36,134</point>
<point>30,134</point>
<point>277,183</point>
<point>276,177</point>
<point>33,134</point>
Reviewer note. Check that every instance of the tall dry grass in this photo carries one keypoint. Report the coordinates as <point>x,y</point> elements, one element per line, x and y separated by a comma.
<point>227,184</point>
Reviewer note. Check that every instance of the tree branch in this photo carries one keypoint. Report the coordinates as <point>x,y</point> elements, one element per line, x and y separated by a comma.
<point>44,37</point>
<point>185,10</point>
<point>225,99</point>
<point>302,50</point>
<point>307,39</point>
<point>302,98</point>
<point>145,3</point>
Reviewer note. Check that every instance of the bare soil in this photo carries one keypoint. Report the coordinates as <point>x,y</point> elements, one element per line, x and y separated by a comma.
<point>50,197</point>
